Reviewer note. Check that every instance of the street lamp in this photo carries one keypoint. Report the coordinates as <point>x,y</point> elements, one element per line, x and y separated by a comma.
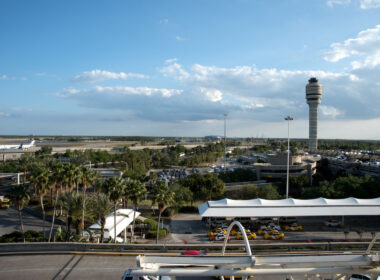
<point>288,119</point>
<point>225,116</point>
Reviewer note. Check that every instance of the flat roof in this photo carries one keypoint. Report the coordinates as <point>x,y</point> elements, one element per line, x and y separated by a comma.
<point>124,217</point>
<point>290,207</point>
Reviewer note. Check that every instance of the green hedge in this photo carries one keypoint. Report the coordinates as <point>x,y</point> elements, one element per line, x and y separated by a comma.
<point>16,236</point>
<point>161,234</point>
<point>188,209</point>
<point>152,224</point>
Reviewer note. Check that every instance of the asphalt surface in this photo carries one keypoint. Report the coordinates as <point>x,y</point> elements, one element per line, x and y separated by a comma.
<point>59,267</point>
<point>9,222</point>
<point>188,228</point>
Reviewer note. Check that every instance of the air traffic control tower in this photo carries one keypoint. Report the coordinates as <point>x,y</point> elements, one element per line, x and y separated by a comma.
<point>313,99</point>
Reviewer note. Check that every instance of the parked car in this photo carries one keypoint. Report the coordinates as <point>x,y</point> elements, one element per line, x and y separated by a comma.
<point>264,230</point>
<point>274,235</point>
<point>264,221</point>
<point>288,220</point>
<point>360,277</point>
<point>332,223</point>
<point>250,236</point>
<point>293,227</point>
<point>218,237</point>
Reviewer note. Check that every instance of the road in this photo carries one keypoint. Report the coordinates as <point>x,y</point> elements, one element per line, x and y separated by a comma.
<point>9,222</point>
<point>188,228</point>
<point>59,267</point>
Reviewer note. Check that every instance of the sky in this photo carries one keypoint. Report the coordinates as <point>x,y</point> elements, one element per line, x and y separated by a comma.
<point>175,67</point>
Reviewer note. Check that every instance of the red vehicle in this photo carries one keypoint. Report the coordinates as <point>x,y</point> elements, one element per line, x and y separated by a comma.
<point>193,253</point>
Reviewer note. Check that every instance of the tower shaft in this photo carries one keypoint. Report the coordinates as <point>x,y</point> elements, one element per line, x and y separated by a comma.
<point>313,99</point>
<point>313,126</point>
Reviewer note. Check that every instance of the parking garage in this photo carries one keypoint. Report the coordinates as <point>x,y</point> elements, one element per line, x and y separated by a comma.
<point>258,207</point>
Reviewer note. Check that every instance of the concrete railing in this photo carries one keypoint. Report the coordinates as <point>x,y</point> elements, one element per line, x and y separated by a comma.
<point>214,247</point>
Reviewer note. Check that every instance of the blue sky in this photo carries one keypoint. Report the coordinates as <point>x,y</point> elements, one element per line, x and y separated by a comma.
<point>173,68</point>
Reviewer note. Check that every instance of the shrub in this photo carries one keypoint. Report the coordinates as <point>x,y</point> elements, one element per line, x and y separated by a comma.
<point>16,236</point>
<point>161,234</point>
<point>152,224</point>
<point>170,211</point>
<point>188,209</point>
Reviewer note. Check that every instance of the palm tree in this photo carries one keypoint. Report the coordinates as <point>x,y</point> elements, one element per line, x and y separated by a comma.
<point>114,188</point>
<point>87,177</point>
<point>40,181</point>
<point>136,192</point>
<point>126,192</point>
<point>70,172</point>
<point>56,180</point>
<point>72,202</point>
<point>163,197</point>
<point>19,196</point>
<point>99,207</point>
<point>25,162</point>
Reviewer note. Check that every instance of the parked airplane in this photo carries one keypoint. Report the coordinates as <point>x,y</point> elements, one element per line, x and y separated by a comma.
<point>17,147</point>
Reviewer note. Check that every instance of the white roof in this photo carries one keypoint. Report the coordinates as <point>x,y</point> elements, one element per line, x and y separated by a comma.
<point>290,207</point>
<point>124,217</point>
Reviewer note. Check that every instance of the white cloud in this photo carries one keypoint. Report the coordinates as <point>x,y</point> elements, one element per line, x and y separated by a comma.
<point>163,21</point>
<point>369,4</point>
<point>267,94</point>
<point>119,91</point>
<point>40,74</point>
<point>173,69</point>
<point>366,44</point>
<point>102,75</point>
<point>332,3</point>
<point>213,95</point>
<point>4,115</point>
<point>179,38</point>
<point>364,4</point>
<point>4,77</point>
<point>330,111</point>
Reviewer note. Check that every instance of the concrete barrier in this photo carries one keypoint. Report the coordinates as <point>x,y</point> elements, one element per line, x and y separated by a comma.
<point>43,247</point>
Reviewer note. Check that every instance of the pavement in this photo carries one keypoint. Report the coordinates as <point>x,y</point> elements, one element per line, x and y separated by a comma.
<point>10,221</point>
<point>92,267</point>
<point>189,229</point>
<point>57,267</point>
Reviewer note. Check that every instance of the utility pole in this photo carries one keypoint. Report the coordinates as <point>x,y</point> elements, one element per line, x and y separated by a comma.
<point>225,116</point>
<point>288,119</point>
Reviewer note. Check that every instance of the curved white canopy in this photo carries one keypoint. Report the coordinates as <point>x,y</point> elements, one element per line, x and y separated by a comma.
<point>290,207</point>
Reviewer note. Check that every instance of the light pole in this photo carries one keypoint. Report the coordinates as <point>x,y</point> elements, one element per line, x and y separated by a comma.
<point>288,118</point>
<point>225,116</point>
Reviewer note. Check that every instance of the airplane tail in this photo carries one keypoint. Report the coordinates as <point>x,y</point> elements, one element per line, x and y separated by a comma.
<point>27,146</point>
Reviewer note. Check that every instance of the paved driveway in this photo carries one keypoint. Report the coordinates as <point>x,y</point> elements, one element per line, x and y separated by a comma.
<point>9,221</point>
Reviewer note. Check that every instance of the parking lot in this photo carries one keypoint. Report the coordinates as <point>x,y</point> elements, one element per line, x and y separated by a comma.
<point>189,228</point>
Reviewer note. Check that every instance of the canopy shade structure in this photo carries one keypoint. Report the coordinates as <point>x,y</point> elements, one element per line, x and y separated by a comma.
<point>290,207</point>
<point>124,217</point>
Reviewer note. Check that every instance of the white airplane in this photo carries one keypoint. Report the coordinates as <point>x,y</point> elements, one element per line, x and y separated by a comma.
<point>17,147</point>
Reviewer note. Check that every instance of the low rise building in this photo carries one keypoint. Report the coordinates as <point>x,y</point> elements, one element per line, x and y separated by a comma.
<point>276,166</point>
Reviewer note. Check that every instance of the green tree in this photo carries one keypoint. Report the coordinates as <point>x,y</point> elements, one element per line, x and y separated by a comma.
<point>56,181</point>
<point>268,192</point>
<point>24,162</point>
<point>87,178</point>
<point>72,203</point>
<point>137,193</point>
<point>114,188</point>
<point>99,207</point>
<point>163,197</point>
<point>40,180</point>
<point>19,196</point>
<point>182,194</point>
